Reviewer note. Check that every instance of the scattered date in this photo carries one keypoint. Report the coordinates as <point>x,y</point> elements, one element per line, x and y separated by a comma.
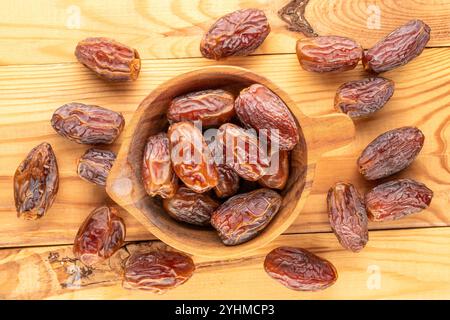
<point>95,164</point>
<point>396,199</point>
<point>299,269</point>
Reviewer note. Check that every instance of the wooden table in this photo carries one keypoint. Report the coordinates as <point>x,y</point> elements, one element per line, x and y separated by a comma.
<point>408,258</point>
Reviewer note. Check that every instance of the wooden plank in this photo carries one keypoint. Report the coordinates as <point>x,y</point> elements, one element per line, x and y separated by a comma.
<point>396,264</point>
<point>31,93</point>
<point>47,31</point>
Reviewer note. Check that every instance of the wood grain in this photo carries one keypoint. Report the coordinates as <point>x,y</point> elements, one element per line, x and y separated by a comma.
<point>396,264</point>
<point>31,93</point>
<point>47,31</point>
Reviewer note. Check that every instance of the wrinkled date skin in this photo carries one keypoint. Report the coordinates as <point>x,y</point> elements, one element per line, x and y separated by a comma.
<point>390,152</point>
<point>190,207</point>
<point>95,164</point>
<point>361,98</point>
<point>87,124</point>
<point>328,54</point>
<point>299,269</point>
<point>157,271</point>
<point>36,182</point>
<point>100,236</point>
<point>109,59</point>
<point>236,34</point>
<point>347,215</point>
<point>228,182</point>
<point>211,107</point>
<point>244,216</point>
<point>191,158</point>
<point>396,199</point>
<point>157,173</point>
<point>242,152</point>
<point>259,108</point>
<point>398,48</point>
<point>278,179</point>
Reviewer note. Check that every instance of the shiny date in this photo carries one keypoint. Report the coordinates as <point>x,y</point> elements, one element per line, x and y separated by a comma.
<point>95,164</point>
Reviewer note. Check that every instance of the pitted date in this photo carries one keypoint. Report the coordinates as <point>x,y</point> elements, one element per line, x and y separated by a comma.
<point>236,34</point>
<point>157,271</point>
<point>278,178</point>
<point>36,182</point>
<point>109,59</point>
<point>100,236</point>
<point>299,269</point>
<point>87,124</point>
<point>191,158</point>
<point>95,164</point>
<point>396,199</point>
<point>190,207</point>
<point>242,152</point>
<point>390,152</point>
<point>211,107</point>
<point>347,216</point>
<point>244,216</point>
<point>361,98</point>
<point>259,108</point>
<point>228,182</point>
<point>398,48</point>
<point>328,54</point>
<point>157,173</point>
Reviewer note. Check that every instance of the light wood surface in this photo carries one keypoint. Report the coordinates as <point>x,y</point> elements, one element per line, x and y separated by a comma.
<point>394,265</point>
<point>47,31</point>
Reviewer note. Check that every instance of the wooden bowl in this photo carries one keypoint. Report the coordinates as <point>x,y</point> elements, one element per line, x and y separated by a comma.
<point>124,186</point>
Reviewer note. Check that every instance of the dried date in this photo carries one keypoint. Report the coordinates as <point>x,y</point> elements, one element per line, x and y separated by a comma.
<point>259,108</point>
<point>398,48</point>
<point>109,59</point>
<point>299,269</point>
<point>390,152</point>
<point>190,207</point>
<point>191,157</point>
<point>36,182</point>
<point>242,152</point>
<point>347,216</point>
<point>157,271</point>
<point>95,164</point>
<point>100,236</point>
<point>361,98</point>
<point>396,199</point>
<point>328,54</point>
<point>228,182</point>
<point>211,107</point>
<point>87,124</point>
<point>277,179</point>
<point>157,173</point>
<point>244,216</point>
<point>236,34</point>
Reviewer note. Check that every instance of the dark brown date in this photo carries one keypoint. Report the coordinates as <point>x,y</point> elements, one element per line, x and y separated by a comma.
<point>190,207</point>
<point>347,215</point>
<point>109,59</point>
<point>328,54</point>
<point>100,236</point>
<point>95,164</point>
<point>211,107</point>
<point>242,152</point>
<point>259,108</point>
<point>278,178</point>
<point>236,34</point>
<point>398,48</point>
<point>244,216</point>
<point>390,152</point>
<point>36,182</point>
<point>87,124</point>
<point>191,158</point>
<point>157,271</point>
<point>228,182</point>
<point>299,269</point>
<point>361,98</point>
<point>157,173</point>
<point>396,199</point>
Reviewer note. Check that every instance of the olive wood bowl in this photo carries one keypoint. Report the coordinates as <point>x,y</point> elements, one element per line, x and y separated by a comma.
<point>124,185</point>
